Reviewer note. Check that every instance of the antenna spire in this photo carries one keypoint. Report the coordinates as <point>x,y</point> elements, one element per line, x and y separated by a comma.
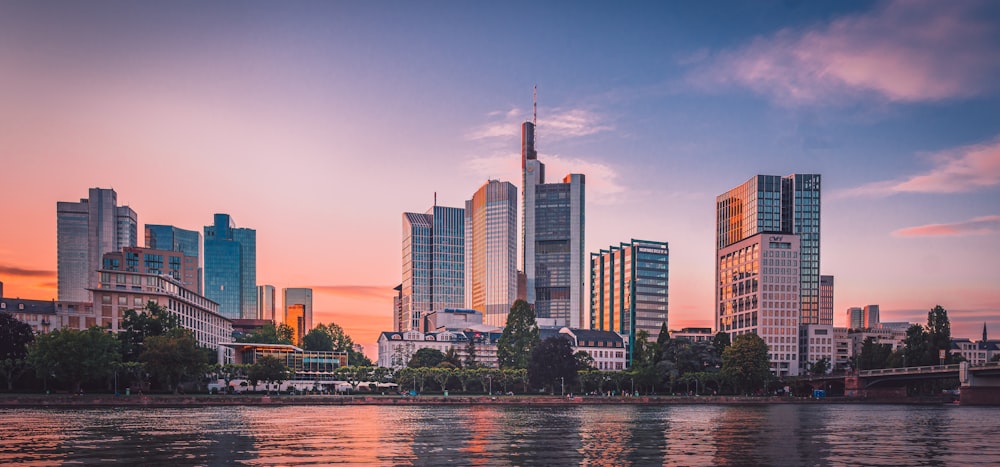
<point>534,106</point>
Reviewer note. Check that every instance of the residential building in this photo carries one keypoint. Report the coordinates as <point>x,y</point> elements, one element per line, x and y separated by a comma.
<point>552,250</point>
<point>855,318</point>
<point>491,251</point>
<point>628,289</point>
<point>231,268</point>
<point>826,300</point>
<point>892,336</point>
<point>39,314</point>
<point>694,334</point>
<point>843,351</point>
<point>179,266</point>
<point>85,231</point>
<point>395,349</point>
<point>771,204</point>
<point>304,297</point>
<point>118,291</point>
<point>433,263</point>
<point>817,342</point>
<point>606,348</point>
<point>267,303</point>
<point>758,282</point>
<point>168,237</point>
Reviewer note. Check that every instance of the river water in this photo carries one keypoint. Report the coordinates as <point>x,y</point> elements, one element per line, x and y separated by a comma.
<point>783,434</point>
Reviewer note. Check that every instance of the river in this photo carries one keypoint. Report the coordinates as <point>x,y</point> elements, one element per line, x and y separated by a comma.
<point>780,434</point>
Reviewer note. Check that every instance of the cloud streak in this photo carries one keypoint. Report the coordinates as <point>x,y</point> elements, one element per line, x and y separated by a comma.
<point>983,225</point>
<point>903,51</point>
<point>356,291</point>
<point>559,124</point>
<point>20,272</point>
<point>959,170</point>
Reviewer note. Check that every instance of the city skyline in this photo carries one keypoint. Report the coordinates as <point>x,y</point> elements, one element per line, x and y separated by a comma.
<point>185,110</point>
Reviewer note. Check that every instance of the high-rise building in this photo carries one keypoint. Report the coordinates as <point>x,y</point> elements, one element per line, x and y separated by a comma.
<point>398,319</point>
<point>628,289</point>
<point>871,317</point>
<point>231,268</point>
<point>433,263</point>
<point>855,318</point>
<point>778,205</point>
<point>168,237</point>
<point>179,266</point>
<point>85,232</point>
<point>295,318</point>
<point>552,255</point>
<point>491,251</point>
<point>826,300</point>
<point>266,303</point>
<point>304,297</point>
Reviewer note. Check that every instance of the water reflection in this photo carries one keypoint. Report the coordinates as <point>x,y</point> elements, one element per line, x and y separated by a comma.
<point>504,435</point>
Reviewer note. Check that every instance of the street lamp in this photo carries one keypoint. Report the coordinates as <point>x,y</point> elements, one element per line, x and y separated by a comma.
<point>562,385</point>
<point>490,379</point>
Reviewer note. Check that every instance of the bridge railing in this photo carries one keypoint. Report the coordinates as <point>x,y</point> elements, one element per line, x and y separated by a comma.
<point>909,370</point>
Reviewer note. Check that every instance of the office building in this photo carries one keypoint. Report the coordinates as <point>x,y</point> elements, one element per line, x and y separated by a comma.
<point>771,204</point>
<point>300,296</point>
<point>628,289</point>
<point>433,263</point>
<point>552,254</point>
<point>491,251</point>
<point>231,268</point>
<point>295,318</point>
<point>85,231</point>
<point>179,266</point>
<point>398,318</point>
<point>871,317</point>
<point>266,303</point>
<point>826,300</point>
<point>168,237</point>
<point>855,318</point>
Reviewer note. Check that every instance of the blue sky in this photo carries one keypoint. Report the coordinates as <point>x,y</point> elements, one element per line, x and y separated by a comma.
<point>318,123</point>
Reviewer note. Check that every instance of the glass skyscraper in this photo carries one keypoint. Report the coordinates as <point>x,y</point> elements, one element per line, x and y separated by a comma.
<point>552,239</point>
<point>299,296</point>
<point>231,268</point>
<point>629,289</point>
<point>168,237</point>
<point>433,263</point>
<point>266,303</point>
<point>85,231</point>
<point>491,251</point>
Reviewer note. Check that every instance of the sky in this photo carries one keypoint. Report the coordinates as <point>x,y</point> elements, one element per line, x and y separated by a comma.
<point>319,123</point>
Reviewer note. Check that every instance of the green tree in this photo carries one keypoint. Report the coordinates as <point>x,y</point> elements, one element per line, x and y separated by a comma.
<point>720,342</point>
<point>470,355</point>
<point>552,364</point>
<point>451,357</point>
<point>584,362</point>
<point>72,356</point>
<point>938,335</point>
<point>268,370</point>
<point>15,337</point>
<point>317,340</point>
<point>662,340</point>
<point>341,342</point>
<point>229,372</point>
<point>874,355</point>
<point>519,336</point>
<point>150,320</point>
<point>269,334</point>
<point>172,357</point>
<point>819,367</point>
<point>916,349</point>
<point>426,358</point>
<point>746,363</point>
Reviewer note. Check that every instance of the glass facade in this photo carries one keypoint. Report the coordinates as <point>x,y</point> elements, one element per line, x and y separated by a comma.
<point>826,300</point>
<point>85,232</point>
<point>300,296</point>
<point>491,251</point>
<point>168,237</point>
<point>433,257</point>
<point>231,268</point>
<point>266,302</point>
<point>629,289</point>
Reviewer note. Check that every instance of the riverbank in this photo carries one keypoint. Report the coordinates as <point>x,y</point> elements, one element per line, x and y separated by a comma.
<point>169,400</point>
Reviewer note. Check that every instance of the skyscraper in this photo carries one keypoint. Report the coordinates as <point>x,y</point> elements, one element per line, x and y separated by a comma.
<point>552,239</point>
<point>168,237</point>
<point>231,268</point>
<point>491,251</point>
<point>855,318</point>
<point>629,289</point>
<point>871,317</point>
<point>433,263</point>
<point>826,300</point>
<point>85,232</point>
<point>266,303</point>
<point>299,296</point>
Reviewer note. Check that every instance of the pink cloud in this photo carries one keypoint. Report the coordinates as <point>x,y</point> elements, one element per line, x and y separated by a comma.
<point>903,51</point>
<point>556,124</point>
<point>984,225</point>
<point>958,170</point>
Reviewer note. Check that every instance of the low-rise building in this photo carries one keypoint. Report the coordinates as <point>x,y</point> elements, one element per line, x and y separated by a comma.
<point>395,349</point>
<point>816,342</point>
<point>694,334</point>
<point>39,314</point>
<point>607,348</point>
<point>305,365</point>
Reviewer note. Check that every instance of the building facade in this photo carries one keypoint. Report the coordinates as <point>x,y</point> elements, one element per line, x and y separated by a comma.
<point>85,231</point>
<point>267,303</point>
<point>491,251</point>
<point>871,317</point>
<point>758,293</point>
<point>855,318</point>
<point>231,268</point>
<point>395,349</point>
<point>433,263</point>
<point>629,289</point>
<point>826,300</point>
<point>552,239</point>
<point>168,237</point>
<point>606,348</point>
<point>817,342</point>
<point>300,296</point>
<point>179,266</point>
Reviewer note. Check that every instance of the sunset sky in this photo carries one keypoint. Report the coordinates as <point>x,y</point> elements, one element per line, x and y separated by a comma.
<point>319,123</point>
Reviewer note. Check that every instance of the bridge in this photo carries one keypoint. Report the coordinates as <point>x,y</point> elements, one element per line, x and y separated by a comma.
<point>980,384</point>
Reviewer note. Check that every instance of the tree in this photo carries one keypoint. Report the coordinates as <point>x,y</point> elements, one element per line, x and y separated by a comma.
<point>341,342</point>
<point>150,320</point>
<point>820,367</point>
<point>15,337</point>
<point>229,372</point>
<point>916,349</point>
<point>317,340</point>
<point>584,362</point>
<point>720,342</point>
<point>268,370</point>
<point>72,356</point>
<point>662,340</point>
<point>938,335</point>
<point>172,357</point>
<point>426,358</point>
<point>451,357</point>
<point>470,355</point>
<point>519,336</point>
<point>874,355</point>
<point>746,363</point>
<point>269,334</point>
<point>552,363</point>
